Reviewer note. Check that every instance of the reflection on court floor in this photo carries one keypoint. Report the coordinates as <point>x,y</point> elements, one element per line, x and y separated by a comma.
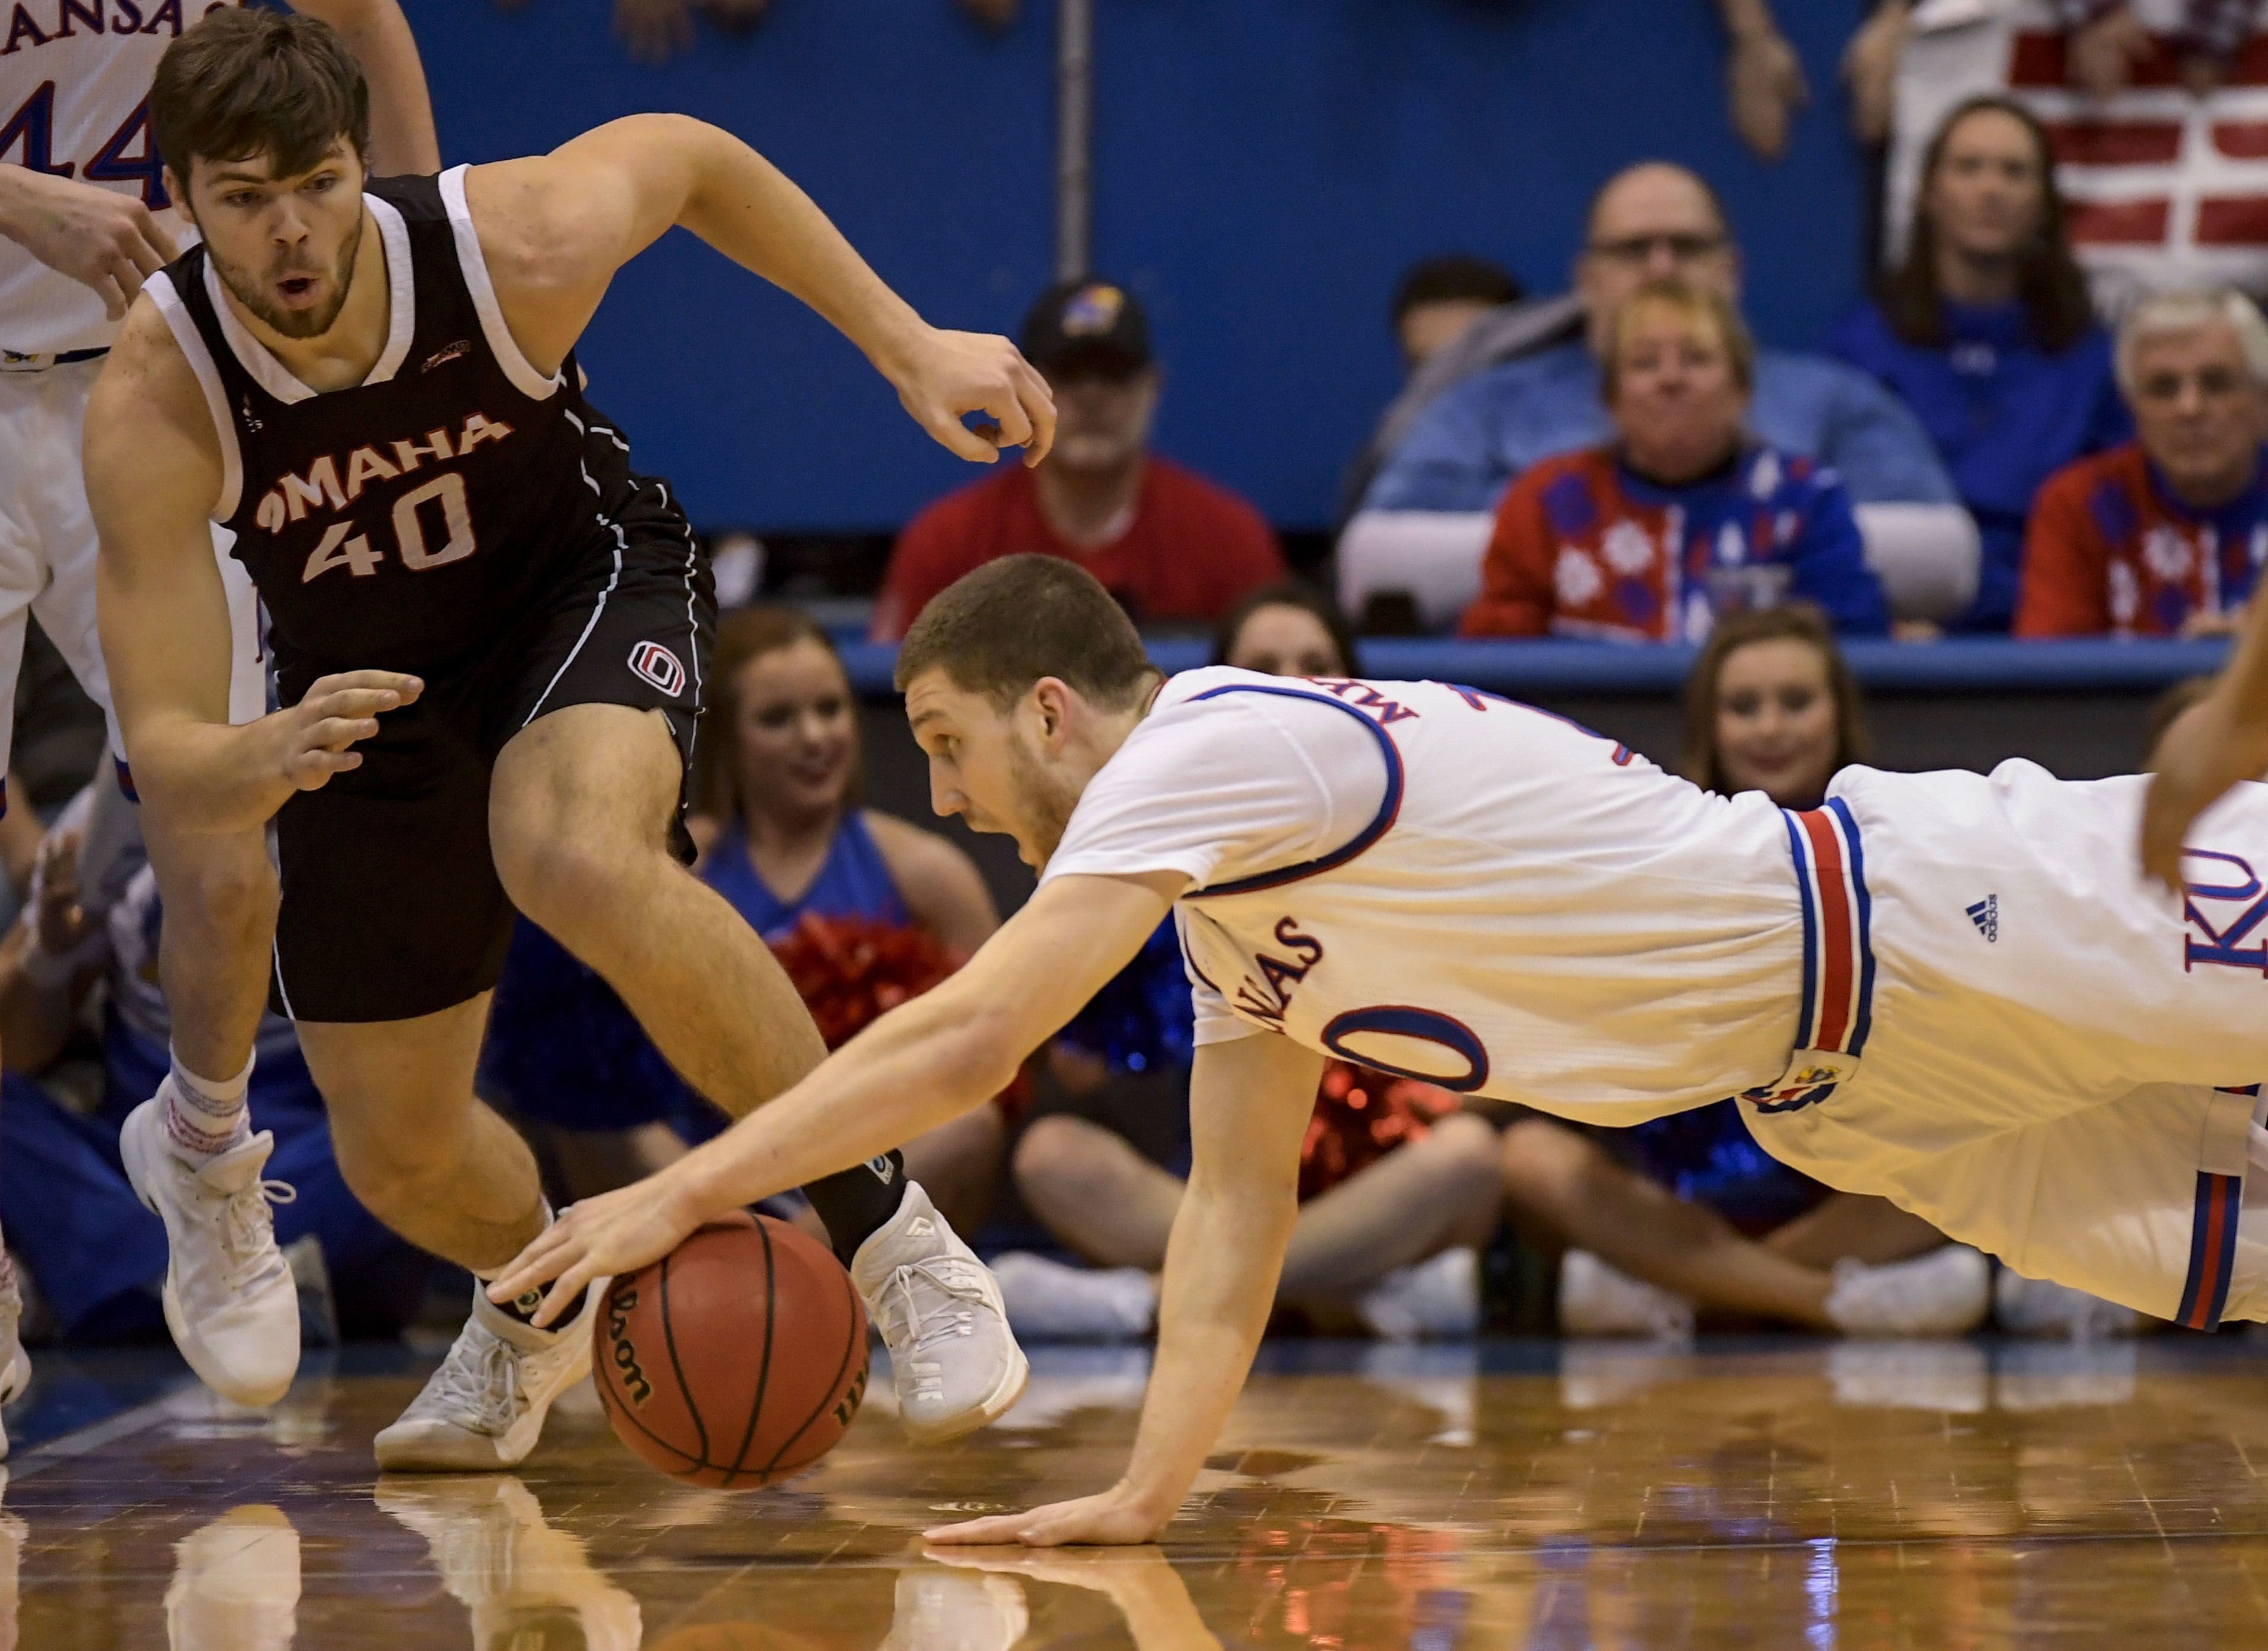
<point>1560,1497</point>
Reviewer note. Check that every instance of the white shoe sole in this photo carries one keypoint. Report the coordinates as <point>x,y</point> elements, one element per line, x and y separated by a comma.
<point>210,1371</point>
<point>438,1448</point>
<point>997,1404</point>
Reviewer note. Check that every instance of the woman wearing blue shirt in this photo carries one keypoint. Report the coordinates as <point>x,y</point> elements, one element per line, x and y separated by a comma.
<point>1985,329</point>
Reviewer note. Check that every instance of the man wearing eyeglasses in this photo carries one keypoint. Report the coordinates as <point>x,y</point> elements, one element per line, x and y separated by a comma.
<point>1654,222</point>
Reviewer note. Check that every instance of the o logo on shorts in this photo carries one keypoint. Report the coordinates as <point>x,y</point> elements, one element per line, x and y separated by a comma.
<point>1399,1020</point>
<point>658,666</point>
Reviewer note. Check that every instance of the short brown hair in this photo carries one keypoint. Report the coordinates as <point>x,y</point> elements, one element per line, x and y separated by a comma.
<point>1798,622</point>
<point>244,82</point>
<point>1707,309</point>
<point>997,630</point>
<point>742,637</point>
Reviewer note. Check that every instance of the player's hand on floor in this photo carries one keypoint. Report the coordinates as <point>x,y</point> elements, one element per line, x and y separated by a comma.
<point>1115,1517</point>
<point>315,735</point>
<point>950,374</point>
<point>615,1232</point>
<point>99,237</point>
<point>2208,750</point>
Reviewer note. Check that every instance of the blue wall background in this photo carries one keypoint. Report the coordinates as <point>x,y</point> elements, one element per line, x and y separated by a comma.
<point>1264,170</point>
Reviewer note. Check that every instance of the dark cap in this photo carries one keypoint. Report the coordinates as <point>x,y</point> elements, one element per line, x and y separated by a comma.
<point>1084,320</point>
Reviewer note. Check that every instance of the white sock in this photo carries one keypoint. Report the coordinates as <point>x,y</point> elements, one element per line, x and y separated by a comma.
<point>203,1118</point>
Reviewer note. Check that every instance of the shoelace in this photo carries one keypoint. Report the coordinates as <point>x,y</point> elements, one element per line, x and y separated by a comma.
<point>486,1382</point>
<point>248,1232</point>
<point>909,1319</point>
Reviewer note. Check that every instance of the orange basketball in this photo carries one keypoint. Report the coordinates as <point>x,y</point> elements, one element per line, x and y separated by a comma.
<point>737,1359</point>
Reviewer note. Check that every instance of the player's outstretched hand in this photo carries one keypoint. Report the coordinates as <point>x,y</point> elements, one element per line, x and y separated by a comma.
<point>2210,748</point>
<point>337,712</point>
<point>1117,1516</point>
<point>106,240</point>
<point>950,374</point>
<point>615,1232</point>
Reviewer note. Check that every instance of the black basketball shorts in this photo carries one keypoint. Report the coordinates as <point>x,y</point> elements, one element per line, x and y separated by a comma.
<point>392,905</point>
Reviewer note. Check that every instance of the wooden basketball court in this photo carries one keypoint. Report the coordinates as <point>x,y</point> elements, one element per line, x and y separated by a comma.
<point>1759,1493</point>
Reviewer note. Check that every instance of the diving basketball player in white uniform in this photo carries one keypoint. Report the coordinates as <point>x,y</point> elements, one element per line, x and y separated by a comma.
<point>1955,990</point>
<point>84,218</point>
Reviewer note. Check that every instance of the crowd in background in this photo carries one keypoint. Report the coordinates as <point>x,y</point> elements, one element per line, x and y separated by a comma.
<point>1983,448</point>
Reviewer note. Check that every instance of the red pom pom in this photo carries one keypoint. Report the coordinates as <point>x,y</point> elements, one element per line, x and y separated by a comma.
<point>1360,1116</point>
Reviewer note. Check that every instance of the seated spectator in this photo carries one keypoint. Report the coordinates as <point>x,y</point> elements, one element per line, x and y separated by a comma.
<point>1651,222</point>
<point>1684,516</point>
<point>1985,329</point>
<point>1439,299</point>
<point>864,910</point>
<point>1398,1187</point>
<point>2164,535</point>
<point>95,1257</point>
<point>1686,1217</point>
<point>1172,546</point>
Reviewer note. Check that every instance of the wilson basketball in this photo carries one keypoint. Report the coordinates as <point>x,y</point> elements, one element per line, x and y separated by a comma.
<point>737,1359</point>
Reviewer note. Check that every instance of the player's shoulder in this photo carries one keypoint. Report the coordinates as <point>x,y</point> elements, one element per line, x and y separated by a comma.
<point>147,372</point>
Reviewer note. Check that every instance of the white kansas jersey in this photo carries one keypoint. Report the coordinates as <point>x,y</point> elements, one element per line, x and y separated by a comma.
<point>75,102</point>
<point>1437,882</point>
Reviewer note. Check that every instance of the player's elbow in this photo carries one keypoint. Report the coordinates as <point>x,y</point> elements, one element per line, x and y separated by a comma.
<point>977,1046</point>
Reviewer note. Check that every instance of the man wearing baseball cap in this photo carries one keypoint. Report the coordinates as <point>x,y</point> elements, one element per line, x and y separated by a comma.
<point>1174,547</point>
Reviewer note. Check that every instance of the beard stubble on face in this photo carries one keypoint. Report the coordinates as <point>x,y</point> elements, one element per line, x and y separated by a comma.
<point>252,291</point>
<point>1046,801</point>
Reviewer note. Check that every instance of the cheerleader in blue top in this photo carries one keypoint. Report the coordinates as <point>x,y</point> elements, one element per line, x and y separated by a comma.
<point>858,904</point>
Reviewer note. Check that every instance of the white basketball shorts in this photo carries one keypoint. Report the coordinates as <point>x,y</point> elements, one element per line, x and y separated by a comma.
<point>2061,1062</point>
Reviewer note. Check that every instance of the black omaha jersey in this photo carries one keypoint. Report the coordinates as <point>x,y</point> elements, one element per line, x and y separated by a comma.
<point>407,523</point>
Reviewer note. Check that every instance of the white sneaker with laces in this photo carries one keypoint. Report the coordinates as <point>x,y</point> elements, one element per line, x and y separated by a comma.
<point>15,1363</point>
<point>1438,1297</point>
<point>229,1297</point>
<point>1597,1298</point>
<point>482,1409</point>
<point>954,1360</point>
<point>1944,1293</point>
<point>1050,1301</point>
<point>2037,1306</point>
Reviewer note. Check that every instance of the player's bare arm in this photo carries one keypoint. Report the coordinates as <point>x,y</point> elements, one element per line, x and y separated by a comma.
<point>1250,1102</point>
<point>944,1053</point>
<point>153,474</point>
<point>2214,746</point>
<point>401,136</point>
<point>555,228</point>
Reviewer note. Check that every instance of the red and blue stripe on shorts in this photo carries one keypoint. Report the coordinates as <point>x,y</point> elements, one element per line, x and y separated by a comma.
<point>1836,1010</point>
<point>2213,1243</point>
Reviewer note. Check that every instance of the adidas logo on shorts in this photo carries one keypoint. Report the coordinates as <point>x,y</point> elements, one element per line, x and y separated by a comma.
<point>658,666</point>
<point>1986,915</point>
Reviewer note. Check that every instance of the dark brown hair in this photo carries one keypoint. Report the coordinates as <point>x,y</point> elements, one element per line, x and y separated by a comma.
<point>1454,278</point>
<point>1704,763</point>
<point>743,636</point>
<point>1291,593</point>
<point>1000,628</point>
<point>244,82</point>
<point>1694,304</point>
<point>2048,283</point>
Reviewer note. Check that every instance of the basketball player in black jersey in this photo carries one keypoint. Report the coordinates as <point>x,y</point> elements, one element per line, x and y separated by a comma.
<point>490,634</point>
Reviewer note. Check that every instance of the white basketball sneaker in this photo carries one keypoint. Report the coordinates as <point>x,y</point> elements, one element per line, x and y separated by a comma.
<point>484,1408</point>
<point>229,1297</point>
<point>952,1358</point>
<point>15,1363</point>
<point>1597,1298</point>
<point>2037,1306</point>
<point>1946,1292</point>
<point>1050,1301</point>
<point>1437,1298</point>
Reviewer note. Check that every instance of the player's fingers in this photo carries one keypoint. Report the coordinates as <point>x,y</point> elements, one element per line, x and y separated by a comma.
<point>566,1295</point>
<point>997,1527</point>
<point>1040,408</point>
<point>355,702</point>
<point>546,1257</point>
<point>407,686</point>
<point>336,733</point>
<point>952,433</point>
<point>114,295</point>
<point>312,768</point>
<point>160,238</point>
<point>1006,408</point>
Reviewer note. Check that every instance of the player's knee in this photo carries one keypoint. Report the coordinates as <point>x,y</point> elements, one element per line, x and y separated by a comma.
<point>1469,1162</point>
<point>394,1171</point>
<point>224,893</point>
<point>1539,1161</point>
<point>561,880</point>
<point>1059,1159</point>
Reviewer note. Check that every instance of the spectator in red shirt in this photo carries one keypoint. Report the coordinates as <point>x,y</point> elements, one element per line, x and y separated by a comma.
<point>1172,546</point>
<point>1684,515</point>
<point>2164,536</point>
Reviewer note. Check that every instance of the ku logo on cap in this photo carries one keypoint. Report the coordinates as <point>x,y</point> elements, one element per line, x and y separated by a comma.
<point>659,666</point>
<point>1092,311</point>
